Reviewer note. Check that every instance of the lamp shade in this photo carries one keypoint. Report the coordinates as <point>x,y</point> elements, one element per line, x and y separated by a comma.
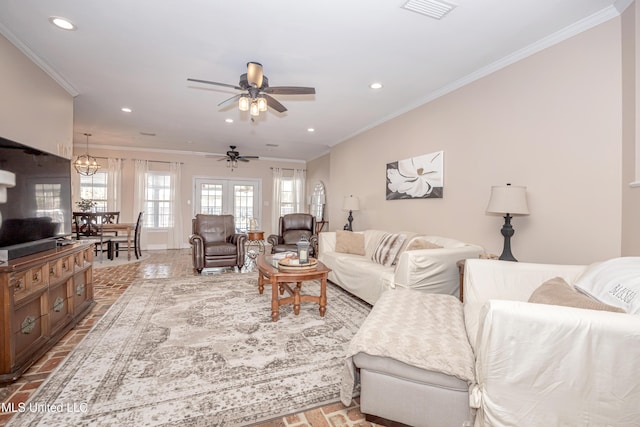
<point>351,204</point>
<point>508,199</point>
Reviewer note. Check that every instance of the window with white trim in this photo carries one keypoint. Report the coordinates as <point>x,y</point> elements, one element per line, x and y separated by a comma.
<point>94,188</point>
<point>157,212</point>
<point>286,196</point>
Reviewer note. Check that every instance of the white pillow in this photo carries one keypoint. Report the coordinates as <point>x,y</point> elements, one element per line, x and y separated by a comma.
<point>615,282</point>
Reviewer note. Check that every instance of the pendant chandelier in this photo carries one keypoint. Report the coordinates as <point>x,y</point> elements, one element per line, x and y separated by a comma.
<point>85,164</point>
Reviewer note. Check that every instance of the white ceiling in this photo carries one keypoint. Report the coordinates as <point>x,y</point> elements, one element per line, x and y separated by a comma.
<point>139,54</point>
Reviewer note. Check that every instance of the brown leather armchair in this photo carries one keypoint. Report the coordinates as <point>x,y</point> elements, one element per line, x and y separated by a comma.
<point>216,243</point>
<point>291,228</point>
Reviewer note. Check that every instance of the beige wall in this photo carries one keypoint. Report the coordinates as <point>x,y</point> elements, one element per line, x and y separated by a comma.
<point>550,122</point>
<point>34,110</point>
<point>631,131</point>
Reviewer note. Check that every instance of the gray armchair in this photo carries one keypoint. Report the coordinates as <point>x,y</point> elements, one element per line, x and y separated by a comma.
<point>215,242</point>
<point>291,228</point>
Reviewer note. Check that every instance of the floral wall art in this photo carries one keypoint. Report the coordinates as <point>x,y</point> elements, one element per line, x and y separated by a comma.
<point>419,177</point>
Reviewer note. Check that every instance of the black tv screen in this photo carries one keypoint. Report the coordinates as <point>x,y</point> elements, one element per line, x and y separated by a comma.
<point>39,206</point>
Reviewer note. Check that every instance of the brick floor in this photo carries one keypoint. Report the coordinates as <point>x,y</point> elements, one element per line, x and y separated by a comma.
<point>109,284</point>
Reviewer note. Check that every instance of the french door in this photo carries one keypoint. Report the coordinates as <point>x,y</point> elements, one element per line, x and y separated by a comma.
<point>238,197</point>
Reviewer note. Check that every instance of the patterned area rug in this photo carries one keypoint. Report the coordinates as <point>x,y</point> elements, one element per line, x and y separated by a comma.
<point>199,351</point>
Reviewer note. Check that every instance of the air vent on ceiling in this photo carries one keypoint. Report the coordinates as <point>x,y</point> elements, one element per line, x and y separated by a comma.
<point>431,8</point>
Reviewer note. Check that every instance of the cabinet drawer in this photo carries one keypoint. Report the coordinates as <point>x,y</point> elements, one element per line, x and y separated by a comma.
<point>26,282</point>
<point>18,281</point>
<point>81,291</point>
<point>59,310</point>
<point>28,327</point>
<point>60,269</point>
<point>84,258</point>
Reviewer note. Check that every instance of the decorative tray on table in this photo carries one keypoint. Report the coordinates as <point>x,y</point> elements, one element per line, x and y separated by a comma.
<point>293,265</point>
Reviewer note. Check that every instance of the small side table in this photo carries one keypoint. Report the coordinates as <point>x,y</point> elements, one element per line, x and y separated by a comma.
<point>255,238</point>
<point>253,247</point>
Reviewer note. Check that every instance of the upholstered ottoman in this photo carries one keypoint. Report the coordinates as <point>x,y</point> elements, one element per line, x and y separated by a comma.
<point>414,361</point>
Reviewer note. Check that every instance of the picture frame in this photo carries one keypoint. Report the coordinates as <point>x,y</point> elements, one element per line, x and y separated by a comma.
<point>420,177</point>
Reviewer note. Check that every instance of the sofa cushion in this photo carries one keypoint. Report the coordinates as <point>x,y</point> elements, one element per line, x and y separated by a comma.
<point>421,243</point>
<point>388,249</point>
<point>557,291</point>
<point>615,282</point>
<point>348,242</point>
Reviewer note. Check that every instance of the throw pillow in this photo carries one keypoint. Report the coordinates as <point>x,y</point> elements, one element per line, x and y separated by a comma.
<point>557,291</point>
<point>421,243</point>
<point>615,282</point>
<point>348,242</point>
<point>388,248</point>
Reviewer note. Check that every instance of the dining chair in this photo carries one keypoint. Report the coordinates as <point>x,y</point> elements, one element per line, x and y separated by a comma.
<point>88,227</point>
<point>120,243</point>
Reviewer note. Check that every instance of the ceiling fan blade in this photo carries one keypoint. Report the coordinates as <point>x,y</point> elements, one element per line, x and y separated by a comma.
<point>254,74</point>
<point>241,159</point>
<point>248,157</point>
<point>215,83</point>
<point>229,101</point>
<point>290,90</point>
<point>273,103</point>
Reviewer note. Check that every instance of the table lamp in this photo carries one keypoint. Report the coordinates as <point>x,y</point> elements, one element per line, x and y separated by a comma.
<point>508,200</point>
<point>350,204</point>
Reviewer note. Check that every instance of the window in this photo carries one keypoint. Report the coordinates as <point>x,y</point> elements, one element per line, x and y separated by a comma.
<point>94,188</point>
<point>286,196</point>
<point>158,201</point>
<point>211,199</point>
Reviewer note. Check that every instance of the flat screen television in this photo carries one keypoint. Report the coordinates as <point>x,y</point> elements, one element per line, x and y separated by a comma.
<point>38,208</point>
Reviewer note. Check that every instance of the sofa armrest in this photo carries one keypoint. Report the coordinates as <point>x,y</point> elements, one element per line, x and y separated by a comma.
<point>197,251</point>
<point>433,270</point>
<point>274,240</point>
<point>239,240</point>
<point>326,242</point>
<point>493,279</point>
<point>540,364</point>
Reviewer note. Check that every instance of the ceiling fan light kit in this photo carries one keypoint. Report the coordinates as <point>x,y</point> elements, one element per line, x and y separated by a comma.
<point>258,92</point>
<point>232,158</point>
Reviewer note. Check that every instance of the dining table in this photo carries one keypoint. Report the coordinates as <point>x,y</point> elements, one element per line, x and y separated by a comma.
<point>128,227</point>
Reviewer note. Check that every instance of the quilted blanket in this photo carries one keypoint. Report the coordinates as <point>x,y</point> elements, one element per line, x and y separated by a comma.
<point>417,328</point>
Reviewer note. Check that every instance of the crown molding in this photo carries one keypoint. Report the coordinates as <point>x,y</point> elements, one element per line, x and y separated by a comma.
<point>585,24</point>
<point>38,61</point>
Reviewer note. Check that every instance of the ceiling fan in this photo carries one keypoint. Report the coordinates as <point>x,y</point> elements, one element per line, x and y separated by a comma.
<point>233,157</point>
<point>258,92</point>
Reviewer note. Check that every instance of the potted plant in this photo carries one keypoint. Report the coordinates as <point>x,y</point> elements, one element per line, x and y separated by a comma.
<point>85,205</point>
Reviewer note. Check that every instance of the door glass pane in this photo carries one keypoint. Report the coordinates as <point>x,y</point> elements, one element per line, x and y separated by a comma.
<point>243,206</point>
<point>211,199</point>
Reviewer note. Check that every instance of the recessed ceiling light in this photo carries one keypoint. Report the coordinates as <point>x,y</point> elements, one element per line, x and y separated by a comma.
<point>311,130</point>
<point>228,120</point>
<point>62,23</point>
<point>375,85</point>
<point>126,109</point>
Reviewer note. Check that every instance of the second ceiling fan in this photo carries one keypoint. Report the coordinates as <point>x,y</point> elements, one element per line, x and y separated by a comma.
<point>258,92</point>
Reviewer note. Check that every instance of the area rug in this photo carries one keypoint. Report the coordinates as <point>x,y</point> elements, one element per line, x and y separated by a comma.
<point>199,351</point>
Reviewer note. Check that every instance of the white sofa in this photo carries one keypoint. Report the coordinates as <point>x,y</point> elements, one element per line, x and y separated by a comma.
<point>531,364</point>
<point>427,270</point>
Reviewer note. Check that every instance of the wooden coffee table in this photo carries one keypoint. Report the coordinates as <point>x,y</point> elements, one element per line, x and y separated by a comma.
<point>280,280</point>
